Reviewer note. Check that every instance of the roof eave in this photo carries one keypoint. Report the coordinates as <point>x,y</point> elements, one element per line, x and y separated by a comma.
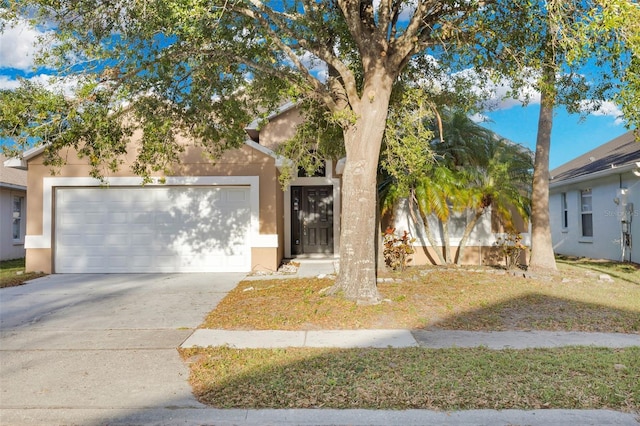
<point>13,186</point>
<point>20,162</point>
<point>595,175</point>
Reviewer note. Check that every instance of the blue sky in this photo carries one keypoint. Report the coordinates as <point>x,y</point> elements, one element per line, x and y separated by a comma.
<point>571,136</point>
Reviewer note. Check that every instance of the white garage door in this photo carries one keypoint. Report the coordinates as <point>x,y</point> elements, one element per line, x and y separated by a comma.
<point>152,229</point>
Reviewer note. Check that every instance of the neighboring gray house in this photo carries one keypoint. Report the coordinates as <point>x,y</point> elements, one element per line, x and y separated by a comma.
<point>13,196</point>
<point>594,202</point>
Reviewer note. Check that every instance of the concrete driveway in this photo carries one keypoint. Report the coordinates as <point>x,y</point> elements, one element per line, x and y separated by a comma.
<point>92,349</point>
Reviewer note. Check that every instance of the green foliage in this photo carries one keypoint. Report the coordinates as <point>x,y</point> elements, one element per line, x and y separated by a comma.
<point>318,138</point>
<point>407,151</point>
<point>206,69</point>
<point>610,34</point>
<point>397,249</point>
<point>468,167</point>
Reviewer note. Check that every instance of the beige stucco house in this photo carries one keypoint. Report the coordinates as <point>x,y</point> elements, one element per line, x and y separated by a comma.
<point>227,215</point>
<point>13,208</point>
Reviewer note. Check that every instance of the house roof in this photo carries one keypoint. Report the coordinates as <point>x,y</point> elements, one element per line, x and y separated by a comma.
<point>620,153</point>
<point>253,129</point>
<point>10,177</point>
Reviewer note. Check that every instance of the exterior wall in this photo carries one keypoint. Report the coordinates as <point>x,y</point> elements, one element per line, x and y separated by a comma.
<point>10,248</point>
<point>480,248</point>
<point>243,162</point>
<point>607,217</point>
<point>280,213</point>
<point>280,129</point>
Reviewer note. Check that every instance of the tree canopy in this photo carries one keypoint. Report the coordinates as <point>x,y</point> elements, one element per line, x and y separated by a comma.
<point>206,68</point>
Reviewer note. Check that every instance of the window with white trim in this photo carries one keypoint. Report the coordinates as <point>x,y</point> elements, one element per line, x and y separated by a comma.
<point>565,210</point>
<point>18,203</point>
<point>586,212</point>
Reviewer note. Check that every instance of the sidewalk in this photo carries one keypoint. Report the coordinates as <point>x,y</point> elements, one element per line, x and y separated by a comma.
<point>408,338</point>
<point>436,339</point>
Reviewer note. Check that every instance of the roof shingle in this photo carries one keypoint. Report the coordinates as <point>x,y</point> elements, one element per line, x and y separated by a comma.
<point>621,151</point>
<point>11,176</point>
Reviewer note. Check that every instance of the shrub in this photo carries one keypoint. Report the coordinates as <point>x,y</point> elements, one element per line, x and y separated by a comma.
<point>397,249</point>
<point>511,247</point>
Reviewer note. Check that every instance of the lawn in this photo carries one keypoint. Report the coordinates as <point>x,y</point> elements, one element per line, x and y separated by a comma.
<point>578,299</point>
<point>586,295</point>
<point>12,273</point>
<point>417,378</point>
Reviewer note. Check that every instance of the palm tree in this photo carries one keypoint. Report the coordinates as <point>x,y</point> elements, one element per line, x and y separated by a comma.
<point>500,180</point>
<point>473,171</point>
<point>431,194</point>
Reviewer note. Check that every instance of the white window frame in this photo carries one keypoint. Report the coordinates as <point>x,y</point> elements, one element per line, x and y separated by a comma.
<point>17,216</point>
<point>586,211</point>
<point>564,208</point>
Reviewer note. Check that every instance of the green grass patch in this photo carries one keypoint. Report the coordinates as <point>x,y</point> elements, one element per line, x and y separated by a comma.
<point>417,378</point>
<point>12,273</point>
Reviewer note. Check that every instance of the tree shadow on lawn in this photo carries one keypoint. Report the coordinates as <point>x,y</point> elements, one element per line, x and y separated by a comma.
<point>542,312</point>
<point>416,378</point>
<point>479,304</point>
<point>438,379</point>
<point>624,271</point>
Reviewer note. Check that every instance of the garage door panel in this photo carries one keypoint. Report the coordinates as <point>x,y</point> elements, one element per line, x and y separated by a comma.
<point>142,218</point>
<point>94,240</point>
<point>117,218</point>
<point>190,229</point>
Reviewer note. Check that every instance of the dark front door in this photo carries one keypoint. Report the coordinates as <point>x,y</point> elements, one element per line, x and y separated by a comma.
<point>311,219</point>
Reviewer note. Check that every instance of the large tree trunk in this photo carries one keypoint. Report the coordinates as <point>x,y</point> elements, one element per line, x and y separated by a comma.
<point>542,256</point>
<point>359,230</point>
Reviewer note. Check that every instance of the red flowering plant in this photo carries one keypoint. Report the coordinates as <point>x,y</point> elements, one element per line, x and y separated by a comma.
<point>397,249</point>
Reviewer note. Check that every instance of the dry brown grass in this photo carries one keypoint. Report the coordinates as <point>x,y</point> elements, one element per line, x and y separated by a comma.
<point>440,379</point>
<point>577,299</point>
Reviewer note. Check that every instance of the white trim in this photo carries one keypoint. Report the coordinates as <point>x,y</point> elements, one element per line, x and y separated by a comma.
<point>281,162</point>
<point>280,110</point>
<point>13,187</point>
<point>44,241</point>
<point>264,241</point>
<point>263,149</point>
<point>21,161</point>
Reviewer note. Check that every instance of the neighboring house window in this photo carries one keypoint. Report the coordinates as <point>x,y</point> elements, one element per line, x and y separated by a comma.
<point>586,212</point>
<point>565,211</point>
<point>17,217</point>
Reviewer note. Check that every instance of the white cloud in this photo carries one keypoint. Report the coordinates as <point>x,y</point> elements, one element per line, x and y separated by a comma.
<point>66,85</point>
<point>7,83</point>
<point>603,109</point>
<point>479,118</point>
<point>18,45</point>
